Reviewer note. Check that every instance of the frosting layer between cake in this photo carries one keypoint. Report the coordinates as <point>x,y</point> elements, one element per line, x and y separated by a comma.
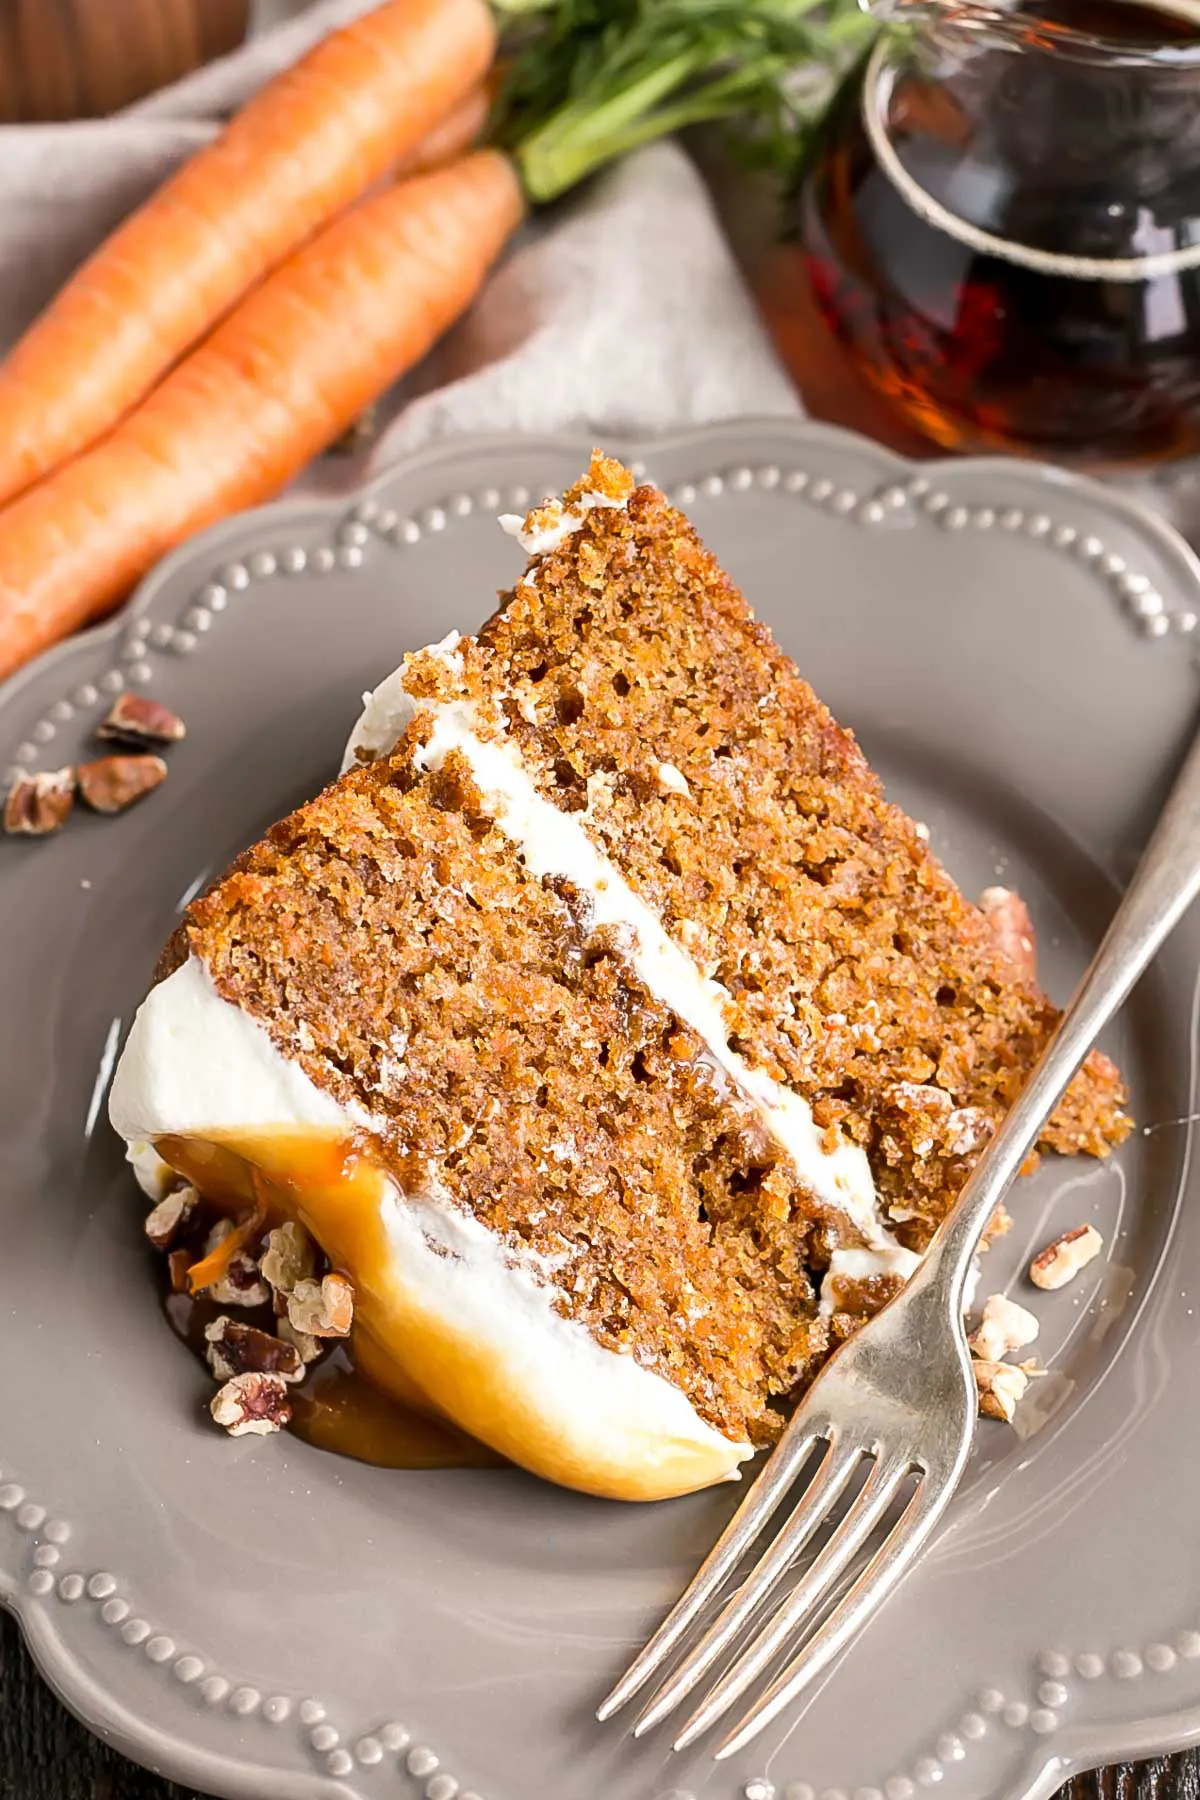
<point>554,842</point>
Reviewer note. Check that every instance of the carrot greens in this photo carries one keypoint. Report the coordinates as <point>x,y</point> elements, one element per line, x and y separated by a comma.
<point>585,81</point>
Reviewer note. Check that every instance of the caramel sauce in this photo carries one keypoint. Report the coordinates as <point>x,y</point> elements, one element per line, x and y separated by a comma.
<point>353,1401</point>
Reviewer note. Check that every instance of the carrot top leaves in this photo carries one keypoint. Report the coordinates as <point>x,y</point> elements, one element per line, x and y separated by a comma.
<point>587,80</point>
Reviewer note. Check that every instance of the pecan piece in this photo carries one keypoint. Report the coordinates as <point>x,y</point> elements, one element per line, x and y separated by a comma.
<point>322,1308</point>
<point>967,1129</point>
<point>178,1264</point>
<point>251,1405</point>
<point>236,1349</point>
<point>1012,929</point>
<point>39,804</point>
<point>1062,1260</point>
<point>173,1210</point>
<point>309,1349</point>
<point>290,1256</point>
<point>1001,1386</point>
<point>113,783</point>
<point>136,720</point>
<point>1004,1326</point>
<point>241,1283</point>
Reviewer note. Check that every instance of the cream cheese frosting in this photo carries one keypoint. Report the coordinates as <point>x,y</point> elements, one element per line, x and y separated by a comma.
<point>554,842</point>
<point>195,1066</point>
<point>853,1265</point>
<point>561,1403</point>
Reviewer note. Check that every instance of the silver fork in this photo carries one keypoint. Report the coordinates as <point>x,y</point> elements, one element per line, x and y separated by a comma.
<point>899,1398</point>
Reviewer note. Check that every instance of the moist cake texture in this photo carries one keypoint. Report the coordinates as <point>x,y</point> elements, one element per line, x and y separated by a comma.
<point>610,943</point>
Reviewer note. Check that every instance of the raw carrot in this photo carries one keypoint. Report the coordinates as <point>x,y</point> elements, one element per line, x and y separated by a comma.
<point>213,1267</point>
<point>275,383</point>
<point>306,146</point>
<point>454,134</point>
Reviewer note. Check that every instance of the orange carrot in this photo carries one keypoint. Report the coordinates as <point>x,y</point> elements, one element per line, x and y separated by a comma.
<point>215,1266</point>
<point>454,134</point>
<point>306,146</point>
<point>276,382</point>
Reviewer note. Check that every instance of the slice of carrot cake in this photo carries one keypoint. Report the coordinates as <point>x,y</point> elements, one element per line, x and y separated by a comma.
<point>603,1023</point>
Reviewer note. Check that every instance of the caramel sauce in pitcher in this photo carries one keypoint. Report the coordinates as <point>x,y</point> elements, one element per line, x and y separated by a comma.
<point>352,1401</point>
<point>1004,238</point>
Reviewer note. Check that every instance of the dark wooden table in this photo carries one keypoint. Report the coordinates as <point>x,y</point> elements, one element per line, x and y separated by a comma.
<point>46,1755</point>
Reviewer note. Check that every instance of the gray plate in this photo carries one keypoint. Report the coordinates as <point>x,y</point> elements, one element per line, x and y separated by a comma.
<point>258,1618</point>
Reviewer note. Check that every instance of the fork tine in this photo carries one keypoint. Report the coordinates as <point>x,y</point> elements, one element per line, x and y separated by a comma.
<point>774,1478</point>
<point>821,1494</point>
<point>864,1514</point>
<point>877,1580</point>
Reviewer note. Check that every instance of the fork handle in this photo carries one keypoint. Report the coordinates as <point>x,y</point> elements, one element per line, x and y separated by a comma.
<point>1165,884</point>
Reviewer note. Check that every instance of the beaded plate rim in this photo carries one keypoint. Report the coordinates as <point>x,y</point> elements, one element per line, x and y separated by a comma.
<point>354,517</point>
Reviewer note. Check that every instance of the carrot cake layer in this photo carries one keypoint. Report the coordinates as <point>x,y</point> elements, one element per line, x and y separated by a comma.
<point>654,1039</point>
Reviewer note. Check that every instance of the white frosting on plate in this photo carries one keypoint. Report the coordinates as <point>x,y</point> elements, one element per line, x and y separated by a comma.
<point>152,1174</point>
<point>196,1066</point>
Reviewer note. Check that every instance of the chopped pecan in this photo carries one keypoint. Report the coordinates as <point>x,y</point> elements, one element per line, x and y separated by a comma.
<point>290,1256</point>
<point>1062,1260</point>
<point>1004,1326</point>
<point>1001,1386</point>
<point>252,1405</point>
<point>237,1349</point>
<point>241,1283</point>
<point>322,1308</point>
<point>309,1349</point>
<point>1012,929</point>
<point>999,1223</point>
<point>178,1264</point>
<point>173,1210</point>
<point>39,804</point>
<point>136,720</point>
<point>113,783</point>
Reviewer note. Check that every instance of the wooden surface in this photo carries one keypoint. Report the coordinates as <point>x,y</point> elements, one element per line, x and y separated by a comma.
<point>75,59</point>
<point>46,1755</point>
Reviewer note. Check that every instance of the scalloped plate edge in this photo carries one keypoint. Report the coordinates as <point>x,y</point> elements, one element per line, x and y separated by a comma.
<point>1068,1751</point>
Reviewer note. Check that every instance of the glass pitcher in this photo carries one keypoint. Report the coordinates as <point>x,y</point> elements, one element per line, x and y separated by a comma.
<point>1000,219</point>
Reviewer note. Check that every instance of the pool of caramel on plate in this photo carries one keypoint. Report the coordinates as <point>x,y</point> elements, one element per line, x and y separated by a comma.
<point>336,1406</point>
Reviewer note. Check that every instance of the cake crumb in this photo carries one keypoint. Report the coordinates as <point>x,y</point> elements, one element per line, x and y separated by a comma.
<point>1004,1326</point>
